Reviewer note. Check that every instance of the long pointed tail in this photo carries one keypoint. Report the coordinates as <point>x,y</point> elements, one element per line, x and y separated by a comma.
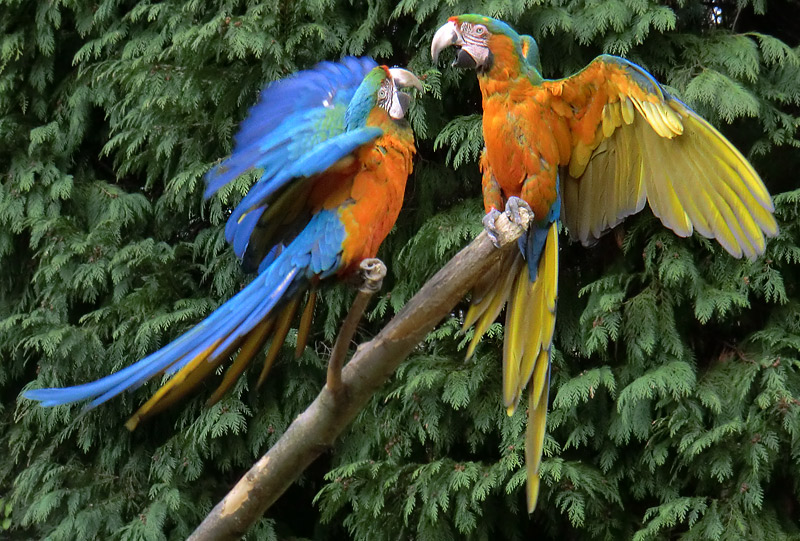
<point>264,308</point>
<point>530,322</point>
<point>244,320</point>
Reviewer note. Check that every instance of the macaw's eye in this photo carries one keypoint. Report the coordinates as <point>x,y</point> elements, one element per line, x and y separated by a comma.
<point>480,30</point>
<point>382,93</point>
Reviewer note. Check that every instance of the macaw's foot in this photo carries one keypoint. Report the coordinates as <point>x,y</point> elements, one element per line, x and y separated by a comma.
<point>513,207</point>
<point>489,225</point>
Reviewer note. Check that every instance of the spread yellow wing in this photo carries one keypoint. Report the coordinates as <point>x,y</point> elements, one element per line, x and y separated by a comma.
<point>632,142</point>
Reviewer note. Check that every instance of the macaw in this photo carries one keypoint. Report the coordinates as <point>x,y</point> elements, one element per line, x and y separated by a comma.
<point>335,151</point>
<point>597,145</point>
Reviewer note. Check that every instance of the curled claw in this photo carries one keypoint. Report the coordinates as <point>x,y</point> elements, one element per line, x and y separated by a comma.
<point>489,225</point>
<point>513,207</point>
<point>373,271</point>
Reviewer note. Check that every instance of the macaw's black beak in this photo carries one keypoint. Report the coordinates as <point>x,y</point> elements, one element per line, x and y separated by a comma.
<point>403,101</point>
<point>465,60</point>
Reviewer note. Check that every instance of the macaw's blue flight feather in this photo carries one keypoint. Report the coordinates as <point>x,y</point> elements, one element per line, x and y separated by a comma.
<point>296,131</point>
<point>244,229</point>
<point>314,161</point>
<point>292,116</point>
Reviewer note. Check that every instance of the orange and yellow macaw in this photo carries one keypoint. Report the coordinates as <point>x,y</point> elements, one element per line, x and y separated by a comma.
<point>335,152</point>
<point>589,149</point>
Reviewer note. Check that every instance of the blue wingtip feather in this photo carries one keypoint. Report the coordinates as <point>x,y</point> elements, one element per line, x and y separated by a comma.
<point>244,230</point>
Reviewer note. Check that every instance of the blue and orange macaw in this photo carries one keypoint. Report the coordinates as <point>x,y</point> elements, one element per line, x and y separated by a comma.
<point>336,152</point>
<point>596,145</point>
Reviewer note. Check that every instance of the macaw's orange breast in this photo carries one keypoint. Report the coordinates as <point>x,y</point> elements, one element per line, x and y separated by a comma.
<point>376,196</point>
<point>526,140</point>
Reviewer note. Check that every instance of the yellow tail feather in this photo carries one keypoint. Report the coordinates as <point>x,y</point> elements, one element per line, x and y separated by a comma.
<point>283,321</point>
<point>537,331</point>
<point>529,329</point>
<point>305,324</point>
<point>520,321</point>
<point>530,323</point>
<point>252,344</point>
<point>490,297</point>
<point>178,386</point>
<point>188,377</point>
<point>537,303</point>
<point>534,445</point>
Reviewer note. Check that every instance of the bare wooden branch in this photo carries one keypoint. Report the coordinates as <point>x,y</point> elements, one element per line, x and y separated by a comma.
<point>373,271</point>
<point>315,430</point>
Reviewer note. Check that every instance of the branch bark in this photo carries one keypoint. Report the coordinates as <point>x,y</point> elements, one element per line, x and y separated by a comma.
<point>373,271</point>
<point>315,430</point>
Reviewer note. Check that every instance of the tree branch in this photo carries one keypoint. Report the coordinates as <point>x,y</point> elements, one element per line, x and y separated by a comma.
<point>315,430</point>
<point>373,271</point>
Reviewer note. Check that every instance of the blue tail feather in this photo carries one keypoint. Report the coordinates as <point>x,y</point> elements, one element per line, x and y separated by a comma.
<point>270,257</point>
<point>531,244</point>
<point>235,324</point>
<point>231,320</point>
<point>291,268</point>
<point>260,311</point>
<point>534,245</point>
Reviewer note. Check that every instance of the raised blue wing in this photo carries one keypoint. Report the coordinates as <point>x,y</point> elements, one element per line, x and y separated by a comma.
<point>295,131</point>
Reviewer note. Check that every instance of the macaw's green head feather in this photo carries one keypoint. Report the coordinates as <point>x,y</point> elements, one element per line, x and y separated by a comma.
<point>494,26</point>
<point>381,89</point>
<point>482,43</point>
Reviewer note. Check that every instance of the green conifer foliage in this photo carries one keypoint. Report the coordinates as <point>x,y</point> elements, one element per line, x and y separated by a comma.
<point>674,398</point>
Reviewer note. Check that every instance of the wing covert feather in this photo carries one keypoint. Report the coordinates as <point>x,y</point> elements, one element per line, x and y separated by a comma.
<point>649,146</point>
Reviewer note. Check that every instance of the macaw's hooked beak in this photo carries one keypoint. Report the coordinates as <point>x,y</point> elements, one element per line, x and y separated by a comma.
<point>404,78</point>
<point>468,56</point>
<point>401,101</point>
<point>446,36</point>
